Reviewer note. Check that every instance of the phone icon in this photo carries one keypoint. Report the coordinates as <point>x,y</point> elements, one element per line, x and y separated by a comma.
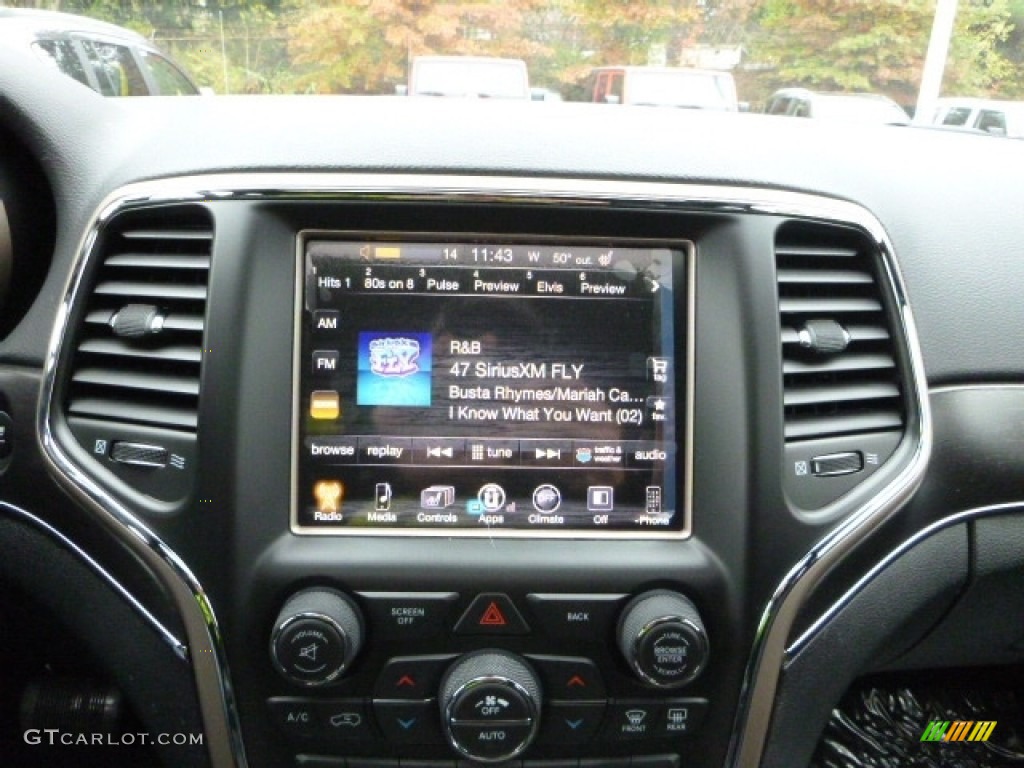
<point>653,499</point>
<point>382,497</point>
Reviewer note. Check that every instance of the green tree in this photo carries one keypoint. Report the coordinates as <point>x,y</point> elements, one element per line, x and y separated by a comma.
<point>878,45</point>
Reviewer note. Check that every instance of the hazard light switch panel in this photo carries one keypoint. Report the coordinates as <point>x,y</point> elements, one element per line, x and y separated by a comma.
<point>492,613</point>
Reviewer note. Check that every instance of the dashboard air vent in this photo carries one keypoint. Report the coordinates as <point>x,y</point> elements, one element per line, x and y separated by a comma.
<point>840,374</point>
<point>140,345</point>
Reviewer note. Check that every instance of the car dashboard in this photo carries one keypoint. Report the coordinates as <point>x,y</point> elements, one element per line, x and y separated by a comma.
<point>380,432</point>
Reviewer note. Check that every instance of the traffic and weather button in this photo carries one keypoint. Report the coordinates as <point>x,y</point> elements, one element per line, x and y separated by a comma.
<point>492,613</point>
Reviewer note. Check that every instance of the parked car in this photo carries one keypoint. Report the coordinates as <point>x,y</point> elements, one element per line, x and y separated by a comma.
<point>999,118</point>
<point>109,59</point>
<point>480,77</point>
<point>663,87</point>
<point>851,107</point>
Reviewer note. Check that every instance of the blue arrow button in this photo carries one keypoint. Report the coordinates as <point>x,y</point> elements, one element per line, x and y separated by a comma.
<point>407,724</point>
<point>574,724</point>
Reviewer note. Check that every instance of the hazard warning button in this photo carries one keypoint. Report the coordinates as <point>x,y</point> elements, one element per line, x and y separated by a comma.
<point>492,613</point>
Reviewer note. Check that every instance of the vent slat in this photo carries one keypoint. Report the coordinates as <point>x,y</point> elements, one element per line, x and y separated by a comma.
<point>150,382</point>
<point>181,353</point>
<point>827,283</point>
<point>174,321</point>
<point>827,305</point>
<point>808,428</point>
<point>818,395</point>
<point>838,363</point>
<point>158,257</point>
<point>858,333</point>
<point>140,290</point>
<point>824,276</point>
<point>167,234</point>
<point>160,261</point>
<point>815,251</point>
<point>131,412</point>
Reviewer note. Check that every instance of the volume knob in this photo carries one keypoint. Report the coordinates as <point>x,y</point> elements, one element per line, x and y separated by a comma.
<point>663,639</point>
<point>317,634</point>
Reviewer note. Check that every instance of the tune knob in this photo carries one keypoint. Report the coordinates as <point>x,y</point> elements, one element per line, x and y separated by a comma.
<point>490,706</point>
<point>663,639</point>
<point>317,634</point>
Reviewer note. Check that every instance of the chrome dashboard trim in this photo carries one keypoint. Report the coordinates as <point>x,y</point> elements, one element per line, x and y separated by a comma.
<point>208,654</point>
<point>179,648</point>
<point>974,513</point>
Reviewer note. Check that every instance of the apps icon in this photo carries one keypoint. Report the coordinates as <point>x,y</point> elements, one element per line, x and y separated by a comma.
<point>437,497</point>
<point>600,498</point>
<point>328,495</point>
<point>324,404</point>
<point>547,498</point>
<point>491,497</point>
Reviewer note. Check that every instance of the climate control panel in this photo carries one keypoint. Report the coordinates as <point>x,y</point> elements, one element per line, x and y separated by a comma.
<point>509,684</point>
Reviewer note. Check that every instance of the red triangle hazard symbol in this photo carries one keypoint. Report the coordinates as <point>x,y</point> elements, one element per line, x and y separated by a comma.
<point>493,617</point>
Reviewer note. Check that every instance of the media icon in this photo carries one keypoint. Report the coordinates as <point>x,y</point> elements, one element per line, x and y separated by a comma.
<point>440,452</point>
<point>324,405</point>
<point>491,497</point>
<point>600,498</point>
<point>547,498</point>
<point>437,497</point>
<point>382,497</point>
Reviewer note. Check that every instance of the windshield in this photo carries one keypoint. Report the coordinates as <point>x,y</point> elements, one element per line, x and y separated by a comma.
<point>912,52</point>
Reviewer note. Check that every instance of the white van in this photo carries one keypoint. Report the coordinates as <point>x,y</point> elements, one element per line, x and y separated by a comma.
<point>475,77</point>
<point>663,87</point>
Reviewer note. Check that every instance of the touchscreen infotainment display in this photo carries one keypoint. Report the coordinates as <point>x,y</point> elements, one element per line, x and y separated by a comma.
<point>488,387</point>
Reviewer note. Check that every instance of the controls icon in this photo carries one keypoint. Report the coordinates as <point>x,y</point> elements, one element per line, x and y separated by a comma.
<point>600,498</point>
<point>547,498</point>
<point>437,497</point>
